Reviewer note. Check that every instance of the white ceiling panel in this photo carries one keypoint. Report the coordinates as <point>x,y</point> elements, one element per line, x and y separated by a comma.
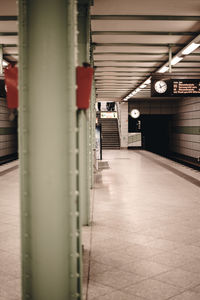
<point>8,7</point>
<point>121,49</point>
<point>8,26</point>
<point>146,39</point>
<point>144,25</point>
<point>8,40</point>
<point>144,7</point>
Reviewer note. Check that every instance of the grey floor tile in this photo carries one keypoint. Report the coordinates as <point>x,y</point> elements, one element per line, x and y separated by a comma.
<point>196,289</point>
<point>188,295</point>
<point>97,268</point>
<point>163,244</point>
<point>97,290</point>
<point>118,296</point>
<point>117,279</point>
<point>180,278</point>
<point>171,259</point>
<point>189,250</point>
<point>145,268</point>
<point>137,251</point>
<point>153,290</point>
<point>193,266</point>
<point>112,259</point>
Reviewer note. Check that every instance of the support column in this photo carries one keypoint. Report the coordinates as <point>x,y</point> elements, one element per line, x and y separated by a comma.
<point>83,115</point>
<point>92,135</point>
<point>1,59</point>
<point>49,229</point>
<point>124,124</point>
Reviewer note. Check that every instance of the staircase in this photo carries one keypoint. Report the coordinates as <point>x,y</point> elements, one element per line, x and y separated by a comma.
<point>110,133</point>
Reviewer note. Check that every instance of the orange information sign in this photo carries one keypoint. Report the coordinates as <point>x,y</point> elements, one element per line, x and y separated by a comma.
<point>84,77</point>
<point>11,82</point>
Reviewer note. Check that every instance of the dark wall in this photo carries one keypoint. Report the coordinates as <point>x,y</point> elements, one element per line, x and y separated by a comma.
<point>155,131</point>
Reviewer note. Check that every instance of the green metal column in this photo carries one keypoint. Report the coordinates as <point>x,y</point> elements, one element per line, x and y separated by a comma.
<point>47,90</point>
<point>92,135</point>
<point>83,115</point>
<point>1,59</point>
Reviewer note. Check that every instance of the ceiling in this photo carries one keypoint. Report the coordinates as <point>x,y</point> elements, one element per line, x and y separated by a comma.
<point>130,40</point>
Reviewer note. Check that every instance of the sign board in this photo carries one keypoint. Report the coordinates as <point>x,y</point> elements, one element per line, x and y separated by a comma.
<point>173,85</point>
<point>109,115</point>
<point>188,87</point>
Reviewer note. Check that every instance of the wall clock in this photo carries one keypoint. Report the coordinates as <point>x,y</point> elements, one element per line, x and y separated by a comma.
<point>135,113</point>
<point>160,86</point>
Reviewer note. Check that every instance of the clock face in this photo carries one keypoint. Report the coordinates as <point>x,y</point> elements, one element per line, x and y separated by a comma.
<point>160,86</point>
<point>135,113</point>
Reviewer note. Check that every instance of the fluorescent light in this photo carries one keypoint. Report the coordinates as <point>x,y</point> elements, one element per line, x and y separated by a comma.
<point>190,48</point>
<point>5,63</point>
<point>163,69</point>
<point>148,81</point>
<point>175,60</point>
<point>143,86</point>
<point>138,90</point>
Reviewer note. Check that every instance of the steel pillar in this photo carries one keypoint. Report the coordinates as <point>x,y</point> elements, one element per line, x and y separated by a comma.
<point>83,115</point>
<point>49,213</point>
<point>92,135</point>
<point>1,59</point>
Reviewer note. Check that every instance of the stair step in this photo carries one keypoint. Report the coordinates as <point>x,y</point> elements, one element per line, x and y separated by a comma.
<point>110,134</point>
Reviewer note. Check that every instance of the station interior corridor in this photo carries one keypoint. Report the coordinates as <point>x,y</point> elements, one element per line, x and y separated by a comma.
<point>144,238</point>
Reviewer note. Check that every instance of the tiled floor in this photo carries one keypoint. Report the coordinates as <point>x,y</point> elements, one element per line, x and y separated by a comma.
<point>9,233</point>
<point>144,242</point>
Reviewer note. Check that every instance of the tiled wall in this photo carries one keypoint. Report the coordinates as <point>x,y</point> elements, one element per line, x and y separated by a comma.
<point>8,131</point>
<point>186,128</point>
<point>134,139</point>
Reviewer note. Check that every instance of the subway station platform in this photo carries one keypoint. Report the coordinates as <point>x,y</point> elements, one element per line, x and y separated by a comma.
<point>144,242</point>
<point>144,238</point>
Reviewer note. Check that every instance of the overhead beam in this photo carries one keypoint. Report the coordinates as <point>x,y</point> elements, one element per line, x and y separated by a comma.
<point>8,33</point>
<point>185,67</point>
<point>112,88</point>
<point>140,61</point>
<point>129,61</point>
<point>116,80</point>
<point>105,83</point>
<point>9,45</point>
<point>145,17</point>
<point>138,44</point>
<point>131,53</point>
<point>133,72</point>
<point>11,54</point>
<point>194,54</point>
<point>118,76</point>
<point>181,33</point>
<point>8,18</point>
<point>130,67</point>
<point>117,85</point>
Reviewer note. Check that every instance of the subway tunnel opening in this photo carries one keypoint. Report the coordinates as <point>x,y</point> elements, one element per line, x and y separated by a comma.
<point>155,132</point>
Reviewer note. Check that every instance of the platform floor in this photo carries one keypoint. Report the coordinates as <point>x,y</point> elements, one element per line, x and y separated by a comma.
<point>144,242</point>
<point>144,239</point>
